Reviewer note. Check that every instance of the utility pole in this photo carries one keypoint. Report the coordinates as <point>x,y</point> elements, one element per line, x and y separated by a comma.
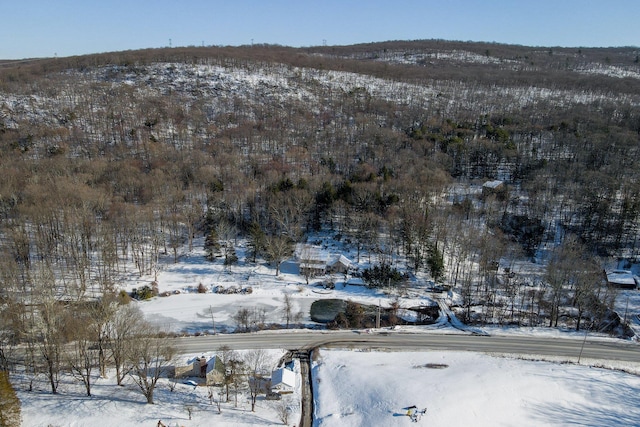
<point>586,331</point>
<point>213,321</point>
<point>378,316</point>
<point>625,311</point>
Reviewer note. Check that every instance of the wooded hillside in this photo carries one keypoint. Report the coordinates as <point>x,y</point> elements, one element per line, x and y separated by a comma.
<point>112,159</point>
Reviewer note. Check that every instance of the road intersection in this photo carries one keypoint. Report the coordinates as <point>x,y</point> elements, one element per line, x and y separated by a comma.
<point>566,349</point>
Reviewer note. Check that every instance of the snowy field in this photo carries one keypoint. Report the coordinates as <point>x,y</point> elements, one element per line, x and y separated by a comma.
<point>187,311</point>
<point>468,389</point>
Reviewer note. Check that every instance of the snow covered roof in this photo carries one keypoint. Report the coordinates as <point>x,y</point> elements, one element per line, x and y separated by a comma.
<point>192,360</point>
<point>339,259</point>
<point>212,362</point>
<point>621,277</point>
<point>284,377</point>
<point>493,184</point>
<point>215,364</point>
<point>310,254</point>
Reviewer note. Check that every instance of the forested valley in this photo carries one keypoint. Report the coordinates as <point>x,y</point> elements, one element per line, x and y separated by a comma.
<point>109,161</point>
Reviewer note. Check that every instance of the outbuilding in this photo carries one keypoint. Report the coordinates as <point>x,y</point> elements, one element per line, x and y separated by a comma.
<point>622,279</point>
<point>496,187</point>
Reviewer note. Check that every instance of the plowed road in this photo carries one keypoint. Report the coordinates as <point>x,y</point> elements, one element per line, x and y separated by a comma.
<point>520,345</point>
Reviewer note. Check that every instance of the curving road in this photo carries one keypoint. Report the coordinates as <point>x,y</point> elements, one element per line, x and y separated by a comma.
<point>530,345</point>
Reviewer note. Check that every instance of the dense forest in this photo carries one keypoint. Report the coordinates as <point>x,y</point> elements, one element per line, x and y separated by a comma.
<point>108,161</point>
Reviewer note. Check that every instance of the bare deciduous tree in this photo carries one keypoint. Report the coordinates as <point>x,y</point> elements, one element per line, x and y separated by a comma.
<point>255,362</point>
<point>243,319</point>
<point>278,249</point>
<point>150,355</point>
<point>83,359</point>
<point>288,309</point>
<point>49,326</point>
<point>122,331</point>
<point>227,357</point>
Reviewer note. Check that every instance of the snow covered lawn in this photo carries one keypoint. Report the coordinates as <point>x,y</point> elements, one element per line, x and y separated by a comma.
<point>367,388</point>
<point>351,388</point>
<point>114,406</point>
<point>361,388</point>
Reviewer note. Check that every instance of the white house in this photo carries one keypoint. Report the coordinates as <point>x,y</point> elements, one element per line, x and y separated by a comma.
<point>283,380</point>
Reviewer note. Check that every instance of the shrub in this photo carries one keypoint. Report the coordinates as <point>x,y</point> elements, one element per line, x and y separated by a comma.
<point>142,293</point>
<point>355,314</point>
<point>124,297</point>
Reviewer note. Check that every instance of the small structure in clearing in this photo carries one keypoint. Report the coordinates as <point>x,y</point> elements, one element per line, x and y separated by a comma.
<point>622,279</point>
<point>496,187</point>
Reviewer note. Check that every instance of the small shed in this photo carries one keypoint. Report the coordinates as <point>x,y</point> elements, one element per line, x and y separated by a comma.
<point>622,279</point>
<point>493,187</point>
<point>283,380</point>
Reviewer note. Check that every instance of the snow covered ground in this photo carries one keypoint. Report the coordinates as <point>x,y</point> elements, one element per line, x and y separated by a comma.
<point>352,388</point>
<point>460,389</point>
<point>113,406</point>
<point>191,312</point>
<point>366,388</point>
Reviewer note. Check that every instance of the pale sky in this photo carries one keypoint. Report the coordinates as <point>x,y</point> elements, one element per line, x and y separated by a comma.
<point>45,28</point>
